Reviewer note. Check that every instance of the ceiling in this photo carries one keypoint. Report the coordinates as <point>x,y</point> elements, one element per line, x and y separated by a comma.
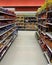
<point>22,2</point>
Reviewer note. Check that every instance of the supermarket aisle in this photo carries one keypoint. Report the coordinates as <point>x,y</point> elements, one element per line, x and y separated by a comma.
<point>24,51</point>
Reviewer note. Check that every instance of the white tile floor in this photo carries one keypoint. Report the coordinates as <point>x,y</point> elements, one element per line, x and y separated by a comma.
<point>24,51</point>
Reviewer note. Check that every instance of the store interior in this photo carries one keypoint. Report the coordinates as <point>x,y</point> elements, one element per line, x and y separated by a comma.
<point>26,32</point>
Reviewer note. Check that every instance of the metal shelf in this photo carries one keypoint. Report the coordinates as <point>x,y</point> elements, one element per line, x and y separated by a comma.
<point>6,25</point>
<point>6,19</point>
<point>7,13</point>
<point>49,48</point>
<point>49,23</point>
<point>6,37</point>
<point>47,57</point>
<point>49,34</point>
<point>5,31</point>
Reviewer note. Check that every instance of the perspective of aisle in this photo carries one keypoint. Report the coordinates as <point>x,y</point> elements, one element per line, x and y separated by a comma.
<point>24,51</point>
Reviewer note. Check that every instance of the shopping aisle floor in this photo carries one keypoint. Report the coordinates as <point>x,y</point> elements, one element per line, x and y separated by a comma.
<point>24,51</point>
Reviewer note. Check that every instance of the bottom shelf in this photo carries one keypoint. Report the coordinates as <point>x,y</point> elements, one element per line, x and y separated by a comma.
<point>7,47</point>
<point>3,53</point>
<point>47,57</point>
<point>49,60</point>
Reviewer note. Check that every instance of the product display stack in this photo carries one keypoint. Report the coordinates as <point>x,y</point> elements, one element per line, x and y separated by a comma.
<point>8,30</point>
<point>44,18</point>
<point>26,22</point>
<point>30,23</point>
<point>20,22</point>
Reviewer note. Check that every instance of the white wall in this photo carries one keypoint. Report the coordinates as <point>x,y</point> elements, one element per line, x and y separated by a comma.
<point>25,12</point>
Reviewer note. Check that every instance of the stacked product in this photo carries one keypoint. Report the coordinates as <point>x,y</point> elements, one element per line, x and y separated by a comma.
<point>30,23</point>
<point>44,18</point>
<point>20,21</point>
<point>7,30</point>
<point>26,22</point>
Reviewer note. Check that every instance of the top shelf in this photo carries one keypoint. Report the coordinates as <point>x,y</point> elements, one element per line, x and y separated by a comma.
<point>1,12</point>
<point>49,11</point>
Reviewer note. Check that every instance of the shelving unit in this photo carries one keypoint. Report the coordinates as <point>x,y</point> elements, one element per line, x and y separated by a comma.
<point>44,18</point>
<point>8,30</point>
<point>20,21</point>
<point>25,22</point>
<point>30,23</point>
